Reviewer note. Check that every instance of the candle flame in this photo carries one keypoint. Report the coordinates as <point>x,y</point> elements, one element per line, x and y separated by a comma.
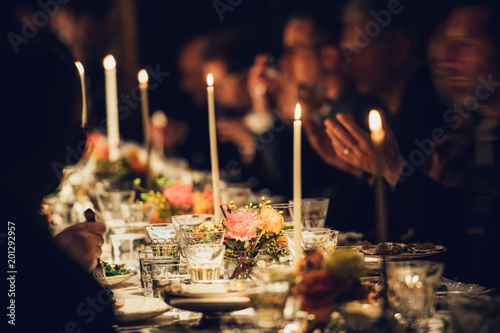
<point>109,62</point>
<point>375,121</point>
<point>143,76</point>
<point>80,67</point>
<point>210,79</point>
<point>298,112</point>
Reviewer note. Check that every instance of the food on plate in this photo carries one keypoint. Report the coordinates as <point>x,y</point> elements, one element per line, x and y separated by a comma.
<point>398,248</point>
<point>114,269</point>
<point>391,248</point>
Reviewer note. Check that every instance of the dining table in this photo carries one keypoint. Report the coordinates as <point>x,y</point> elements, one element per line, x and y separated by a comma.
<point>175,320</point>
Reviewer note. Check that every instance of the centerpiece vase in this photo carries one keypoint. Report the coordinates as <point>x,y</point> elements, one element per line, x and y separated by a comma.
<point>241,263</point>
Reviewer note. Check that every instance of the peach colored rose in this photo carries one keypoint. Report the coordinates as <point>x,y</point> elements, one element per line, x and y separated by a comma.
<point>179,194</point>
<point>242,225</point>
<point>203,202</point>
<point>271,220</point>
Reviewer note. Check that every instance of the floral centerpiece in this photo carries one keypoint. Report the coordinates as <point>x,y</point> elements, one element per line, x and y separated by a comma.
<point>326,281</point>
<point>252,235</point>
<point>131,164</point>
<point>175,199</point>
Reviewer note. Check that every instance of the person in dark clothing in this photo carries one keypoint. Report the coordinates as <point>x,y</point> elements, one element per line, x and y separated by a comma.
<point>445,189</point>
<point>388,69</point>
<point>54,290</point>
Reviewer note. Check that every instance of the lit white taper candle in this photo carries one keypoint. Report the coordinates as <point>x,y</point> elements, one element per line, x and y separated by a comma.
<point>213,148</point>
<point>297,183</point>
<point>143,86</point>
<point>112,108</point>
<point>377,135</point>
<point>81,70</point>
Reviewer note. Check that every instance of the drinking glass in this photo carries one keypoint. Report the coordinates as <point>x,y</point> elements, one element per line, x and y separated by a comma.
<point>268,300</point>
<point>139,213</point>
<point>162,238</point>
<point>411,288</point>
<point>165,271</point>
<point>125,240</point>
<point>145,256</point>
<point>240,194</point>
<point>313,212</point>
<point>286,209</point>
<point>160,231</point>
<point>147,268</point>
<point>190,220</point>
<point>312,238</point>
<point>110,205</point>
<point>205,261</point>
<point>189,236</point>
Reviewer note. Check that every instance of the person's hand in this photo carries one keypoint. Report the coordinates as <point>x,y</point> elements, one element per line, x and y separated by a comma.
<point>354,146</point>
<point>235,132</point>
<point>82,242</point>
<point>319,141</point>
<point>259,84</point>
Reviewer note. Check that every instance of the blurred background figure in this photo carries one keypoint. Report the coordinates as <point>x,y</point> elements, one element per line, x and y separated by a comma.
<point>388,67</point>
<point>468,162</point>
<point>183,134</point>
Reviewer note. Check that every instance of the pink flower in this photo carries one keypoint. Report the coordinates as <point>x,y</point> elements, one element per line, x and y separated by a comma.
<point>179,194</point>
<point>242,225</point>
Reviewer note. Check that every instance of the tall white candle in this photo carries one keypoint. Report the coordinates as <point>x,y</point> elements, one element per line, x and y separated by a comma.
<point>112,108</point>
<point>297,183</point>
<point>213,148</point>
<point>81,70</point>
<point>377,135</point>
<point>143,86</point>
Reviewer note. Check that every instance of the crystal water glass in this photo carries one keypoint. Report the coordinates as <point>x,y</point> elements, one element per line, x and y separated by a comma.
<point>205,261</point>
<point>313,211</point>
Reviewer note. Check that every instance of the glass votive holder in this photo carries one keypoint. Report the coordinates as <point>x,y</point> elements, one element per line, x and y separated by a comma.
<point>331,244</point>
<point>411,289</point>
<point>205,261</point>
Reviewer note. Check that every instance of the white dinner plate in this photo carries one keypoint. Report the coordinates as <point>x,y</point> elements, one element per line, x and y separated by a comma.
<point>138,308</point>
<point>112,280</point>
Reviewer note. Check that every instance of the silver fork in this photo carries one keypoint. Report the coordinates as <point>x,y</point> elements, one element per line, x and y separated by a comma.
<point>98,271</point>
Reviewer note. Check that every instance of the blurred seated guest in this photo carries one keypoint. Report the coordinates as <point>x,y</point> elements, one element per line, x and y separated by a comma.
<point>314,63</point>
<point>468,161</point>
<point>387,67</point>
<point>186,136</point>
<point>455,194</point>
<point>248,146</point>
<point>436,57</point>
<point>54,290</point>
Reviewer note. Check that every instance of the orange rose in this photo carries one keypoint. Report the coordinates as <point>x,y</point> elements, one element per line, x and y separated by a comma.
<point>318,292</point>
<point>271,220</point>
